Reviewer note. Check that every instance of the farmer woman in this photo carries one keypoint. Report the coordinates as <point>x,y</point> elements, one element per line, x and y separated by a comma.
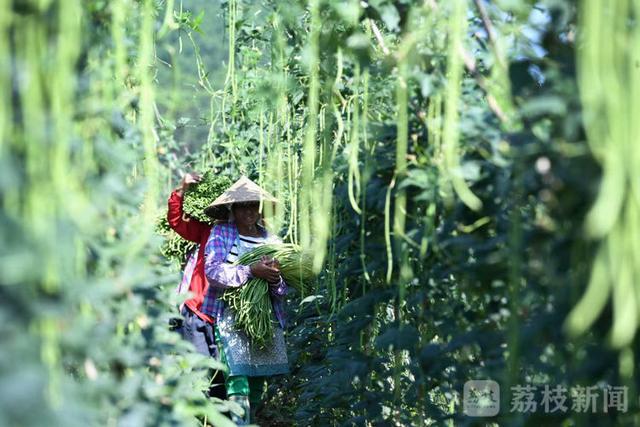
<point>196,327</point>
<point>247,364</point>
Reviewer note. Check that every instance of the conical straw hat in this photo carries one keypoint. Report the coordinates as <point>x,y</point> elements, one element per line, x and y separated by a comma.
<point>243,190</point>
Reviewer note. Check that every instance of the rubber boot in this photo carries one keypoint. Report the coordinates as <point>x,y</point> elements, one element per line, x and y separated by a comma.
<point>252,413</point>
<point>243,401</point>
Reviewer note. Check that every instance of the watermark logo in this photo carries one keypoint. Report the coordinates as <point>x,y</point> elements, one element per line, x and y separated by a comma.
<point>481,398</point>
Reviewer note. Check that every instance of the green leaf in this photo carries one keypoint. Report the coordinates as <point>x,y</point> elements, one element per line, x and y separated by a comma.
<point>390,17</point>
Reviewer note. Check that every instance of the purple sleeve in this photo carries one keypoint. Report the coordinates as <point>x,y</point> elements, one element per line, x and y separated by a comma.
<point>220,274</point>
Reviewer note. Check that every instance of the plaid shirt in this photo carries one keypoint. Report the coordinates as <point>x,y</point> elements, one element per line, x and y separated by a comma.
<point>223,276</point>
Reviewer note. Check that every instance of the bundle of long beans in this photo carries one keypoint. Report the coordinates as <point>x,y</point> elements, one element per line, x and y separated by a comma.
<point>199,196</point>
<point>252,304</point>
<point>174,247</point>
<point>196,198</point>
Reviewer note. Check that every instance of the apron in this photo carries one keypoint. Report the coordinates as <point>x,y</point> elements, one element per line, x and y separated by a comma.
<point>243,358</point>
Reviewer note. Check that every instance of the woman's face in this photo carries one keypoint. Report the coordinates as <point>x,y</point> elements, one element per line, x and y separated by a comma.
<point>246,213</point>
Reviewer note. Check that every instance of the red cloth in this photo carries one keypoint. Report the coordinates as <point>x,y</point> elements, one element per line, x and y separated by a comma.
<point>198,232</point>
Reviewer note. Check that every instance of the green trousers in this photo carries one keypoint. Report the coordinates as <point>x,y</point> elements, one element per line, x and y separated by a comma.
<point>241,385</point>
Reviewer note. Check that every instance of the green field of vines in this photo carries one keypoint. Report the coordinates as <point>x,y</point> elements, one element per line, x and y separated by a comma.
<point>463,172</point>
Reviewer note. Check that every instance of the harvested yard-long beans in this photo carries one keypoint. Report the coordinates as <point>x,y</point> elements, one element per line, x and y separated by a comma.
<point>252,304</point>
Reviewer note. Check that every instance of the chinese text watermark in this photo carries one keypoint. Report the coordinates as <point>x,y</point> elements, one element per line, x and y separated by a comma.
<point>481,398</point>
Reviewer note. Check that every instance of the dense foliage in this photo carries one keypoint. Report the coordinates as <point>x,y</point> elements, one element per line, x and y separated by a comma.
<point>445,162</point>
<point>85,296</point>
<point>434,156</point>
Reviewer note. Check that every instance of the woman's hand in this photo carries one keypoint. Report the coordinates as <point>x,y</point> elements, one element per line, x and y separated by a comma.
<point>188,179</point>
<point>267,269</point>
<point>274,263</point>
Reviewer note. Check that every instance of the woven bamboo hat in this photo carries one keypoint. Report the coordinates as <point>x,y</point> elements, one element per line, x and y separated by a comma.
<point>243,190</point>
